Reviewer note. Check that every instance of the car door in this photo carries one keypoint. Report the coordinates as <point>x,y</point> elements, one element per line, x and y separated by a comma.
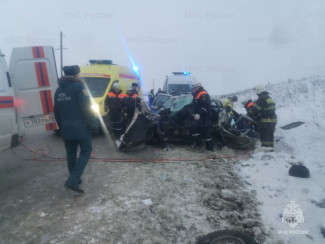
<point>8,127</point>
<point>34,79</point>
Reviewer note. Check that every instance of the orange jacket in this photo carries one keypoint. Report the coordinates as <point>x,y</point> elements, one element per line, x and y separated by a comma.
<point>200,94</point>
<point>249,104</point>
<point>133,96</point>
<point>112,95</point>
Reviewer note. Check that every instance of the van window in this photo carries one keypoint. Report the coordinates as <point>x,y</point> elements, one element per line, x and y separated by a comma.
<point>97,85</point>
<point>179,88</point>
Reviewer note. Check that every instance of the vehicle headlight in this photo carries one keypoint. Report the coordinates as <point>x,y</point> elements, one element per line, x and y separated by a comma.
<point>95,107</point>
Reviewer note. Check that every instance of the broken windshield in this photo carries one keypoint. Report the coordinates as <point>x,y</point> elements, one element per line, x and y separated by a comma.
<point>176,103</point>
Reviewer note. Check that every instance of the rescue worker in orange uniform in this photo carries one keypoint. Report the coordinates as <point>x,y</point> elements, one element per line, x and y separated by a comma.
<point>247,104</point>
<point>135,87</point>
<point>131,102</point>
<point>200,128</point>
<point>247,122</point>
<point>115,105</point>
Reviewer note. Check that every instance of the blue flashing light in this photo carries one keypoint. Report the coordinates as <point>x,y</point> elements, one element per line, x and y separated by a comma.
<point>135,68</point>
<point>182,73</point>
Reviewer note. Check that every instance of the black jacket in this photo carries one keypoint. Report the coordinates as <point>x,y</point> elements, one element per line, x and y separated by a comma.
<point>114,101</point>
<point>132,101</point>
<point>72,110</point>
<point>202,102</point>
<point>263,109</point>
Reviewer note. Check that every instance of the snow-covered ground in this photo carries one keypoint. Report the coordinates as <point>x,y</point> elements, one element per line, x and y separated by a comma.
<point>267,173</point>
<point>156,196</point>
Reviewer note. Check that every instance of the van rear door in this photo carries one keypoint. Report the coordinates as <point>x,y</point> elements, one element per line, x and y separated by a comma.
<point>34,78</point>
<point>8,122</point>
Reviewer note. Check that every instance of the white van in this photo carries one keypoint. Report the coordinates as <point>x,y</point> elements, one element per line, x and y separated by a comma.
<point>26,93</point>
<point>8,122</point>
<point>179,83</point>
<point>34,79</point>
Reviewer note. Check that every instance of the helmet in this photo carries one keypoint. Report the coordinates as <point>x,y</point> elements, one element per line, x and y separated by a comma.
<point>234,99</point>
<point>117,86</point>
<point>197,84</point>
<point>129,88</point>
<point>259,89</point>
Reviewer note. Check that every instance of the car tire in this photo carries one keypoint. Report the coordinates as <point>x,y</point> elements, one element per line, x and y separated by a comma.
<point>226,236</point>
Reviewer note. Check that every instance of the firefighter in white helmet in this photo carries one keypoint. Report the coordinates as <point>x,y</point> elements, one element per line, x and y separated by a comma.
<point>263,110</point>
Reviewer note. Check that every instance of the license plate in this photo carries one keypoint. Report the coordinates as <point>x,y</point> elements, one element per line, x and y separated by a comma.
<point>39,120</point>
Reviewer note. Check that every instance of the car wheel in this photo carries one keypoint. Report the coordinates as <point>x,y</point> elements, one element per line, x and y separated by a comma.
<point>226,237</point>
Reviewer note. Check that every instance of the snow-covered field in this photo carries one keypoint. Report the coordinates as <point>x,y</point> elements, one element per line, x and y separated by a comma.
<point>267,173</point>
<point>175,196</point>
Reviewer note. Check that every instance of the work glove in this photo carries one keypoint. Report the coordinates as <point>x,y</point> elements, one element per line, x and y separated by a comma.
<point>196,116</point>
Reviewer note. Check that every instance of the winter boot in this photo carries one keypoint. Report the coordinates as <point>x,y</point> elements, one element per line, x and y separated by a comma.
<point>209,145</point>
<point>197,143</point>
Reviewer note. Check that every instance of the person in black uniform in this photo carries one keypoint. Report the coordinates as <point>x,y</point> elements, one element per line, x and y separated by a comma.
<point>200,128</point>
<point>135,88</point>
<point>131,102</point>
<point>263,110</point>
<point>75,119</point>
<point>115,104</point>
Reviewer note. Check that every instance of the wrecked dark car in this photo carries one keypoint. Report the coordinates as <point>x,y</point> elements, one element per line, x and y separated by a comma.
<point>142,128</point>
<point>175,117</point>
<point>169,121</point>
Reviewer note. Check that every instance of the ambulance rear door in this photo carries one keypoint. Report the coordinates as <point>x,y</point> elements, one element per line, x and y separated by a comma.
<point>8,123</point>
<point>34,79</point>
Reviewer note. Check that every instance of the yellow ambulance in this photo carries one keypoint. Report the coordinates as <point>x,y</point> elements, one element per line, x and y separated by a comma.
<point>100,75</point>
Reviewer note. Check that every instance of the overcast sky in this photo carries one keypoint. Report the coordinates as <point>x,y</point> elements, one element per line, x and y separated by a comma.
<point>228,45</point>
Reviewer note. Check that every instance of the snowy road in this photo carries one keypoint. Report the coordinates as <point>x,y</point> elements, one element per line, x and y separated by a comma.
<point>150,200</point>
<point>125,202</point>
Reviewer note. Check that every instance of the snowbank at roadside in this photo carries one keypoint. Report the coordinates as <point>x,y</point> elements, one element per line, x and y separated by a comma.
<point>267,173</point>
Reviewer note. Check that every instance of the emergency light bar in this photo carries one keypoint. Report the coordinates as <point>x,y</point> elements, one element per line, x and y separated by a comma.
<point>104,61</point>
<point>181,73</point>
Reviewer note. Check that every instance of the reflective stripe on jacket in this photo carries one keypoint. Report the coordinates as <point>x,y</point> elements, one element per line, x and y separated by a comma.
<point>200,94</point>
<point>115,101</point>
<point>249,104</point>
<point>202,100</point>
<point>264,108</point>
<point>133,96</point>
<point>114,95</point>
<point>228,103</point>
<point>130,102</point>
